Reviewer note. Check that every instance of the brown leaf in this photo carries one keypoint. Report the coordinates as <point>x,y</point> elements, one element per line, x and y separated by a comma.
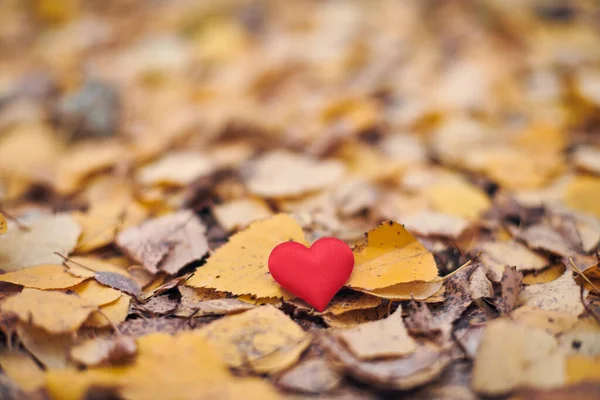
<point>562,294</point>
<point>582,391</point>
<point>420,321</point>
<point>119,282</point>
<point>353,318</point>
<point>544,237</point>
<point>167,243</point>
<point>496,255</point>
<point>157,305</point>
<point>141,326</point>
<point>479,284</point>
<point>211,307</point>
<point>425,364</point>
<point>313,376</point>
<point>510,287</point>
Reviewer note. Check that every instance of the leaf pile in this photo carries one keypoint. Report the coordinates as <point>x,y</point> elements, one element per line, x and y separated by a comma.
<point>152,154</point>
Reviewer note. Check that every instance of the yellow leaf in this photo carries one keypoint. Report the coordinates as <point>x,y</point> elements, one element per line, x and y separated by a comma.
<point>457,198</point>
<point>87,266</point>
<point>562,294</point>
<point>36,245</point>
<point>189,368</point>
<point>240,213</point>
<point>544,276</point>
<point>556,322</point>
<point>240,266</point>
<point>92,352</point>
<point>50,349</point>
<point>176,169</point>
<point>53,311</point>
<point>421,291</point>
<point>3,224</point>
<point>96,293</point>
<point>391,255</point>
<point>47,276</point>
<point>264,339</point>
<point>582,194</point>
<point>369,163</point>
<point>115,311</point>
<point>580,368</point>
<point>19,367</point>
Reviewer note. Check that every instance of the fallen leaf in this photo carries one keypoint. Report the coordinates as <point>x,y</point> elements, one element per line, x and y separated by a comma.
<point>314,376</point>
<point>342,302</point>
<point>178,169</point>
<point>513,356</point>
<point>379,339</point>
<point>263,339</point>
<point>562,294</point>
<point>112,313</point>
<point>496,255</point>
<point>167,243</point>
<point>554,322</point>
<point>479,284</point>
<point>587,158</point>
<point>46,276</point>
<point>544,276</point>
<point>424,291</point>
<point>351,319</point>
<point>157,305</point>
<point>239,214</point>
<point>580,369</point>
<point>20,368</point>
<point>246,255</point>
<point>390,255</point>
<point>88,266</point>
<point>580,195</point>
<point>546,238</point>
<point>50,349</point>
<point>36,245</point>
<point>582,391</point>
<point>583,338</point>
<point>3,224</point>
<point>425,364</point>
<point>510,287</point>
<point>52,311</point>
<point>430,223</point>
<point>119,282</point>
<point>285,174</point>
<point>142,326</point>
<point>96,293</point>
<point>457,198</point>
<point>194,308</point>
<point>104,350</point>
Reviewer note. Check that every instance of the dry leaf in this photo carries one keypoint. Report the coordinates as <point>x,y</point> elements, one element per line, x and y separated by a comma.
<point>96,293</point>
<point>239,214</point>
<point>583,369</point>
<point>583,338</point>
<point>3,224</point>
<point>157,305</point>
<point>479,284</point>
<point>545,275</point>
<point>101,350</point>
<point>425,364</point>
<point>424,291</point>
<point>177,169</point>
<point>562,294</point>
<point>112,313</point>
<point>430,223</point>
<point>457,198</point>
<point>53,311</point>
<point>285,174</point>
<point>263,339</point>
<point>88,266</point>
<point>36,245</point>
<point>510,287</point>
<point>554,322</point>
<point>50,349</point>
<point>587,158</point>
<point>390,255</point>
<point>190,307</point>
<point>119,282</point>
<point>168,243</point>
<point>546,238</point>
<point>580,195</point>
<point>379,339</point>
<point>47,276</point>
<point>351,319</point>
<point>512,356</point>
<point>246,255</point>
<point>312,376</point>
<point>19,367</point>
<point>496,255</point>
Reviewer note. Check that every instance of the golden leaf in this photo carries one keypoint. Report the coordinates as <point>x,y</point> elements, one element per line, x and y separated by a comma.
<point>3,224</point>
<point>116,312</point>
<point>544,276</point>
<point>96,293</point>
<point>582,194</point>
<point>53,311</point>
<point>238,214</point>
<point>50,349</point>
<point>263,339</point>
<point>391,255</point>
<point>19,367</point>
<point>47,276</point>
<point>240,266</point>
<point>457,198</point>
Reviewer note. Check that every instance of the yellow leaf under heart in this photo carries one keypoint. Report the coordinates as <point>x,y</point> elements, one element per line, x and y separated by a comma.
<point>240,266</point>
<point>391,255</point>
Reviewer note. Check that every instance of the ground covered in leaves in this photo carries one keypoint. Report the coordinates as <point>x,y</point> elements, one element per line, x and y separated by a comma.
<point>153,153</point>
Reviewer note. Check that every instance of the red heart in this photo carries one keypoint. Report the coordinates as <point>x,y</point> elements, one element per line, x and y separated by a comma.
<point>315,273</point>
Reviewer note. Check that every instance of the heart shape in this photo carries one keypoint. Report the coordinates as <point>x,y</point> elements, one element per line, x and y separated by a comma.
<point>315,273</point>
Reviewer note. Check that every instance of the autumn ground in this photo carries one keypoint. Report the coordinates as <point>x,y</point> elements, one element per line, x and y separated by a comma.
<point>153,153</point>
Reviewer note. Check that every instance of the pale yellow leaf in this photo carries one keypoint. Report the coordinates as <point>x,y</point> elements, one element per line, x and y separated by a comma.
<point>116,312</point>
<point>22,370</point>
<point>47,276</point>
<point>238,214</point>
<point>96,293</point>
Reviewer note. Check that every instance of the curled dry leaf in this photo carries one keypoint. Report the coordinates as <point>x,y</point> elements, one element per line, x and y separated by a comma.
<point>238,214</point>
<point>379,339</point>
<point>104,350</point>
<point>313,376</point>
<point>425,364</point>
<point>390,255</point>
<point>167,243</point>
<point>157,305</point>
<point>246,255</point>
<point>513,356</point>
<point>263,339</point>
<point>562,294</point>
<point>37,241</point>
<point>496,255</point>
<point>52,311</point>
<point>479,284</point>
<point>510,287</point>
<point>46,276</point>
<point>285,174</point>
<point>22,370</point>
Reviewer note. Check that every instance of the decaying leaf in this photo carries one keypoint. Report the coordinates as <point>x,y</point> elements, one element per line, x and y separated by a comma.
<point>425,364</point>
<point>496,255</point>
<point>379,339</point>
<point>168,243</point>
<point>22,370</point>
<point>510,287</point>
<point>479,284</point>
<point>52,311</point>
<point>157,305</point>
<point>285,174</point>
<point>93,352</point>
<point>512,356</point>
<point>240,213</point>
<point>46,276</point>
<point>38,241</point>
<point>310,376</point>
<point>263,339</point>
<point>391,255</point>
<point>119,282</point>
<point>246,254</point>
<point>562,294</point>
